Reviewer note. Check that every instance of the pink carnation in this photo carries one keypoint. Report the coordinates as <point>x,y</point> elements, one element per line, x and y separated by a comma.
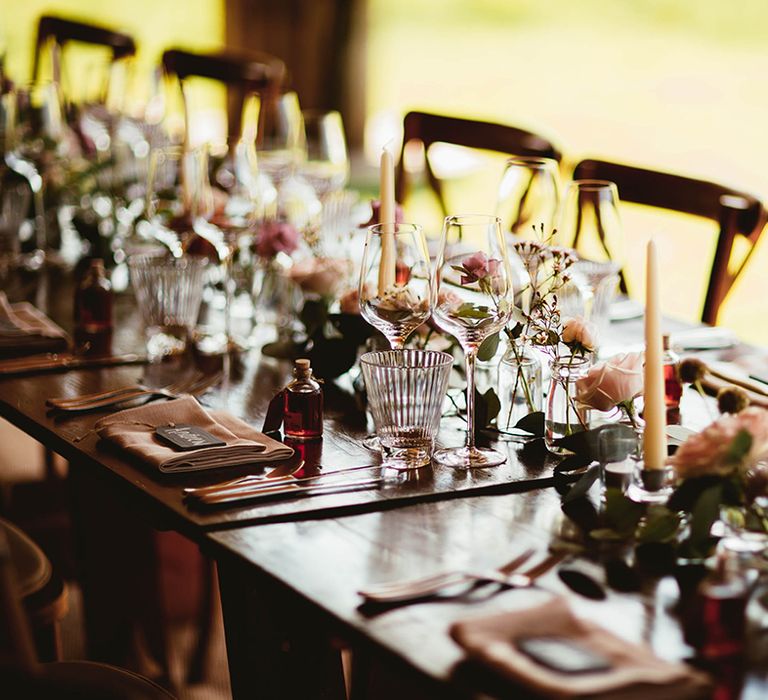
<point>276,237</point>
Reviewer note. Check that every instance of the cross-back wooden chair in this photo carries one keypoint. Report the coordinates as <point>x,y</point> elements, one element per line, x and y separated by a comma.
<point>63,31</point>
<point>437,128</point>
<point>243,75</point>
<point>737,214</point>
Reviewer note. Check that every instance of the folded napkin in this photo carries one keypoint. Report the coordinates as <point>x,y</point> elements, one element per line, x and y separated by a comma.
<point>635,673</point>
<point>24,330</point>
<point>134,431</point>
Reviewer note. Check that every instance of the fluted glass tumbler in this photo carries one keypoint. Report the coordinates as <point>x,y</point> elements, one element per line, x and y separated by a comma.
<point>169,292</point>
<point>405,391</point>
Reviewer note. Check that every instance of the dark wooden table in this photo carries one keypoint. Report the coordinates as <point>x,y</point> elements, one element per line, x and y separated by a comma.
<point>289,588</point>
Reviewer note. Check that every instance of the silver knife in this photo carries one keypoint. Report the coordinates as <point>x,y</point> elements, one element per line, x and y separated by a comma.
<point>290,490</point>
<point>52,361</point>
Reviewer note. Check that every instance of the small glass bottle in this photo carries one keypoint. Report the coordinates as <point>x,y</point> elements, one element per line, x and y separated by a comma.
<point>673,388</point>
<point>303,416</point>
<point>93,310</point>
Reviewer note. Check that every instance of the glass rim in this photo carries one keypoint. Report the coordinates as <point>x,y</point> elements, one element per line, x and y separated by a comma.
<point>161,259</point>
<point>592,185</point>
<point>443,358</point>
<point>542,161</point>
<point>472,219</point>
<point>378,229</point>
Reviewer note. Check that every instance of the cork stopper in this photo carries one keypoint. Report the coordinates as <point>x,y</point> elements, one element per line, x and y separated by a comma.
<point>302,368</point>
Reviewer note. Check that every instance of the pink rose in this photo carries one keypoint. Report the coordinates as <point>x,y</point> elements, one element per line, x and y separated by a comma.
<point>579,333</point>
<point>376,213</point>
<point>276,237</point>
<point>320,276</point>
<point>611,383</point>
<point>476,267</point>
<point>711,452</point>
<point>349,302</point>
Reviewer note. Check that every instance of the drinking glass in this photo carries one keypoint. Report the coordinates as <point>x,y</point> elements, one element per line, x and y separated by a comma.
<point>618,448</point>
<point>473,298</point>
<point>599,282</point>
<point>15,197</point>
<point>406,390</point>
<point>326,167</point>
<point>529,195</point>
<point>280,135</point>
<point>589,220</point>
<point>169,292</point>
<point>395,281</point>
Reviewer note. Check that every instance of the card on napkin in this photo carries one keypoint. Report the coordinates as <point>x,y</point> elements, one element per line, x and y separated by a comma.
<point>25,329</point>
<point>635,672</point>
<point>134,431</point>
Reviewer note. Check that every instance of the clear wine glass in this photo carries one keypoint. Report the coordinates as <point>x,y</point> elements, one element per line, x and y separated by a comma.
<point>280,135</point>
<point>473,298</point>
<point>529,195</point>
<point>395,281</point>
<point>326,167</point>
<point>589,220</point>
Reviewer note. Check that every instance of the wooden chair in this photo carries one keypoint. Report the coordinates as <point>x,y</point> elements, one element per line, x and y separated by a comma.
<point>62,31</point>
<point>437,128</point>
<point>736,213</point>
<point>22,674</point>
<point>242,74</point>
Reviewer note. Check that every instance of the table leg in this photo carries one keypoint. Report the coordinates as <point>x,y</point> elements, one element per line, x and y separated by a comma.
<point>276,647</point>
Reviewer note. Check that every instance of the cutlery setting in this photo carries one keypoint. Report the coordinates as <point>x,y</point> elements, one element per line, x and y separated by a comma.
<point>412,590</point>
<point>62,361</point>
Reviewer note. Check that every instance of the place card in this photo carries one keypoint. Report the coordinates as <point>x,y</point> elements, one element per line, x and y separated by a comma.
<point>187,437</point>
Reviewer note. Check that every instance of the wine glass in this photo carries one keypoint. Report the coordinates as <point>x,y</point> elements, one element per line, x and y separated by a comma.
<point>395,281</point>
<point>589,220</point>
<point>326,167</point>
<point>280,135</point>
<point>529,195</point>
<point>473,298</point>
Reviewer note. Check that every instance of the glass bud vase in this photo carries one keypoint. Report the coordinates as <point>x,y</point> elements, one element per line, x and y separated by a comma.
<point>563,416</point>
<point>520,384</point>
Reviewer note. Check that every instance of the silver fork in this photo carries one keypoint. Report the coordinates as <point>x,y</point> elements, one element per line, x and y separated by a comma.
<point>415,589</point>
<point>194,385</point>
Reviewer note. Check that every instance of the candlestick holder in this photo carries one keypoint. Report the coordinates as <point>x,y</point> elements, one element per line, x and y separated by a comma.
<point>651,485</point>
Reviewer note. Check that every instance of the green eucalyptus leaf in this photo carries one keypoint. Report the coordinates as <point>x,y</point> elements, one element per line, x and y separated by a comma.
<point>582,486</point>
<point>606,534</point>
<point>314,316</point>
<point>487,407</point>
<point>468,310</point>
<point>621,513</point>
<point>660,525</point>
<point>704,513</point>
<point>532,423</point>
<point>739,447</point>
<point>488,348</point>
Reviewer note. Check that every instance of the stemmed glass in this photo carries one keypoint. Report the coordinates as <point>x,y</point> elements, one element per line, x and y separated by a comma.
<point>280,135</point>
<point>326,167</point>
<point>473,299</point>
<point>590,222</point>
<point>395,281</point>
<point>528,195</point>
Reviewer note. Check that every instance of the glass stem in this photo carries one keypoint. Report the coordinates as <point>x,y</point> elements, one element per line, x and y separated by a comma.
<point>229,294</point>
<point>469,363</point>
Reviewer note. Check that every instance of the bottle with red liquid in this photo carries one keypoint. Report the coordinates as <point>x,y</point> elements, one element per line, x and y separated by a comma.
<point>93,310</point>
<point>303,397</point>
<point>673,388</point>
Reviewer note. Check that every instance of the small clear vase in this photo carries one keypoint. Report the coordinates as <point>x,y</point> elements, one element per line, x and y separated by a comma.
<point>275,299</point>
<point>519,384</point>
<point>563,415</point>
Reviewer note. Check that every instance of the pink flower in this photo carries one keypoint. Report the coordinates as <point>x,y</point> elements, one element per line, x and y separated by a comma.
<point>719,450</point>
<point>611,383</point>
<point>579,333</point>
<point>276,237</point>
<point>321,276</point>
<point>376,213</point>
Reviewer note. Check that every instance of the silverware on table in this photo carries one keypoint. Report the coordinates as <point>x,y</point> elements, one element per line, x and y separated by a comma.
<point>54,361</point>
<point>288,490</point>
<point>194,385</point>
<point>255,482</point>
<point>507,576</point>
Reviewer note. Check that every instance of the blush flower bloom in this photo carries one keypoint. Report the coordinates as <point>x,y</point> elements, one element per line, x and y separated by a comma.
<point>611,383</point>
<point>579,334</point>
<point>276,237</point>
<point>321,276</point>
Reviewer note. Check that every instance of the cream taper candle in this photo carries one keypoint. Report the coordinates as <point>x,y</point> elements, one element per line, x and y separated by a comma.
<point>388,262</point>
<point>655,412</point>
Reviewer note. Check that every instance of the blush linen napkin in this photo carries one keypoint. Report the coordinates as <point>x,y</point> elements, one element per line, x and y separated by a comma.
<point>636,673</point>
<point>25,330</point>
<point>133,430</point>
